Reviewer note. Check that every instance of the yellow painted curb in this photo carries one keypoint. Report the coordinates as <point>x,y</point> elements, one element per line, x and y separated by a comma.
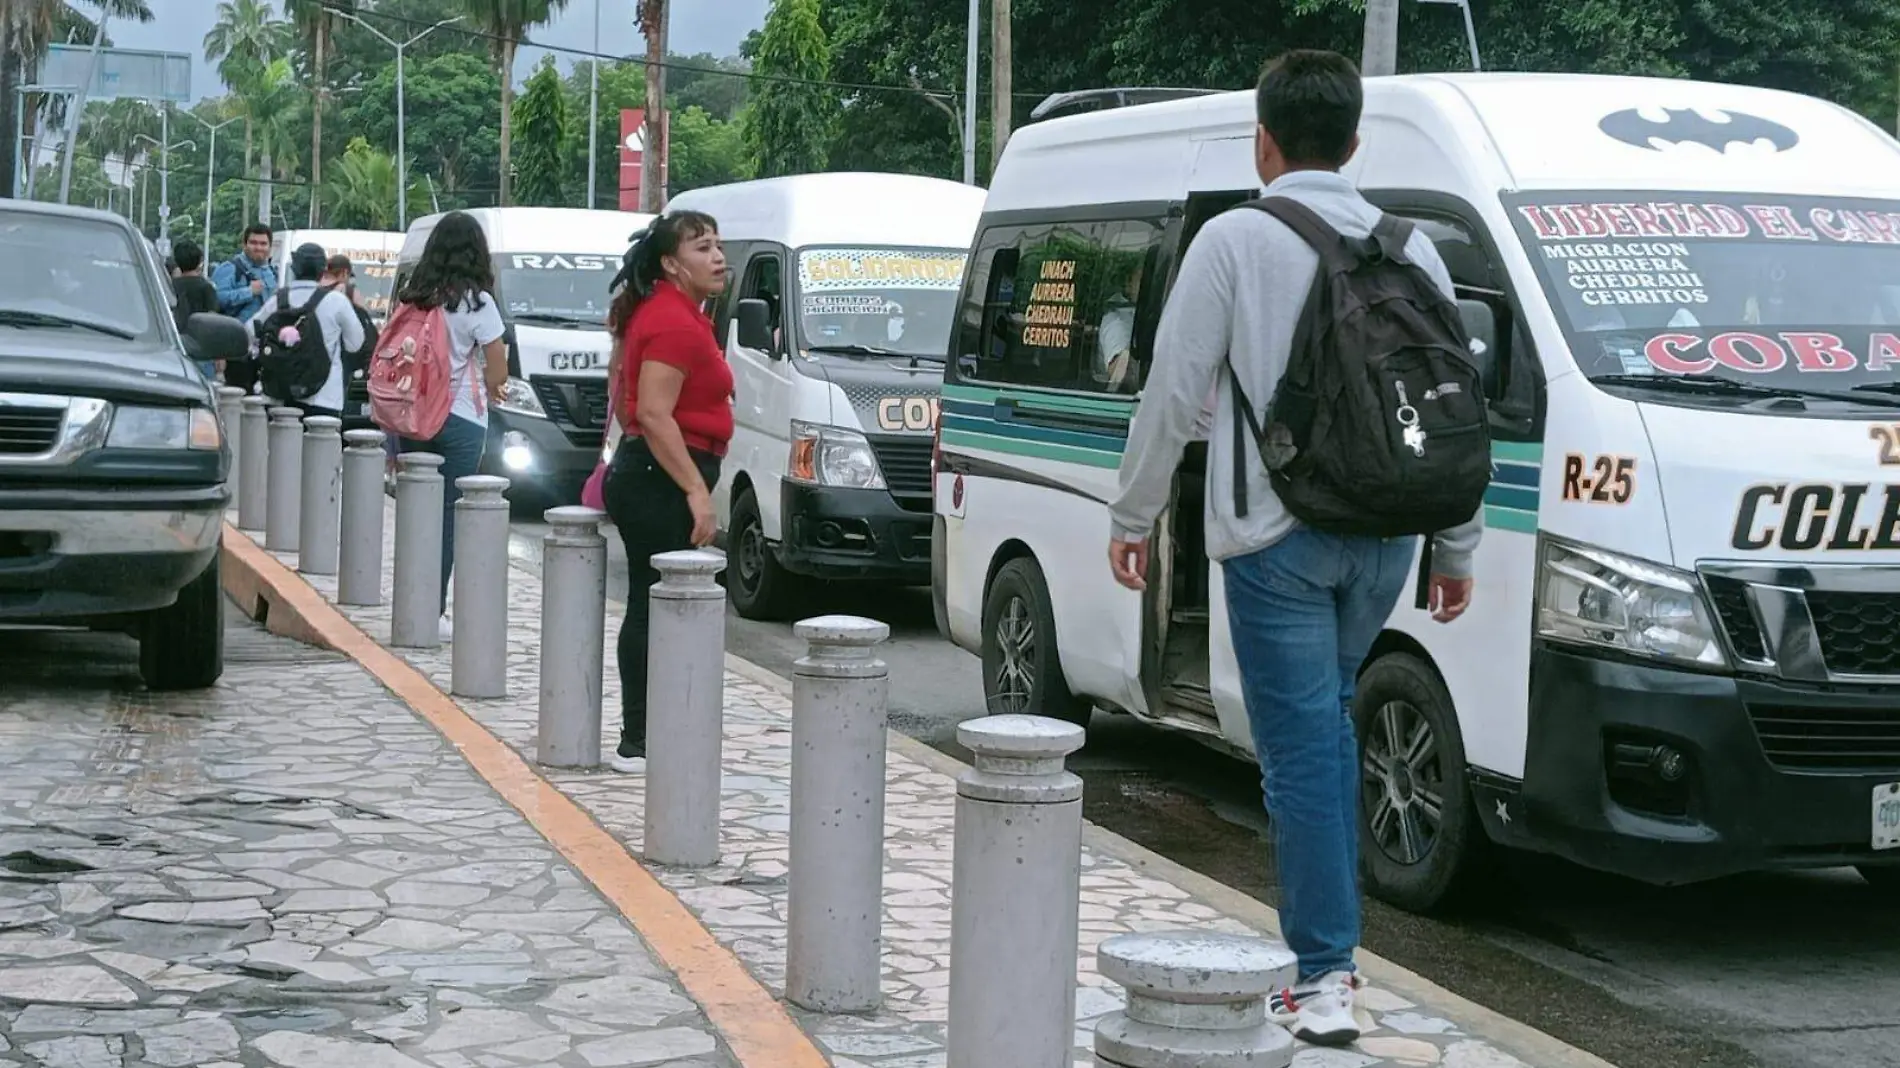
<point>755,1026</point>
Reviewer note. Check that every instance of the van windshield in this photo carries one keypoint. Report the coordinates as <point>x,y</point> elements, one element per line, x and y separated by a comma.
<point>374,280</point>
<point>1777,291</point>
<point>555,287</point>
<point>879,300</point>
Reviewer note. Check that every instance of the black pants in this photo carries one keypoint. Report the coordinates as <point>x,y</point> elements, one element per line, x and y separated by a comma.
<point>650,511</point>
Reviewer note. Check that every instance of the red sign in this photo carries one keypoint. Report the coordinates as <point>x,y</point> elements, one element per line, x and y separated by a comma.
<point>633,155</point>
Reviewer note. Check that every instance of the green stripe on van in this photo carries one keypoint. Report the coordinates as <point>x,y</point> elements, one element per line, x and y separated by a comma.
<point>1518,452</point>
<point>1038,449</point>
<point>1054,402</point>
<point>1496,518</point>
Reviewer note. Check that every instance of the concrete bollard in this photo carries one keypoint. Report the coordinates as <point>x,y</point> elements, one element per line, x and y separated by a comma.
<point>231,420</point>
<point>1015,891</point>
<point>573,629</point>
<point>478,666</point>
<point>360,557</point>
<point>254,454</point>
<point>416,599</point>
<point>1194,998</point>
<point>284,493</point>
<point>322,494</point>
<point>840,691</point>
<point>686,665</point>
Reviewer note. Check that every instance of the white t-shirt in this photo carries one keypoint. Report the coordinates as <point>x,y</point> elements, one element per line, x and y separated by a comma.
<point>470,329</point>
<point>342,331</point>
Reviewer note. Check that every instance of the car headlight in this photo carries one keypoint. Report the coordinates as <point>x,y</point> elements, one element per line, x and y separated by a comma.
<point>518,396</point>
<point>1596,597</point>
<point>832,456</point>
<point>135,427</point>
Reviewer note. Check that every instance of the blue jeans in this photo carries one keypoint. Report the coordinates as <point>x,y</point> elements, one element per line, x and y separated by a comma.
<point>1304,613</point>
<point>460,443</point>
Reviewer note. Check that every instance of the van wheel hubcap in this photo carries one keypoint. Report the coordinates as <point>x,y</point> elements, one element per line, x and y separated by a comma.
<point>751,556</point>
<point>1016,645</point>
<point>1402,786</point>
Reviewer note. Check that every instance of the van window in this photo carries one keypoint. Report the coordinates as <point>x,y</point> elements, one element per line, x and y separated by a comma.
<point>1477,275</point>
<point>885,299</point>
<point>765,280</point>
<point>1060,306</point>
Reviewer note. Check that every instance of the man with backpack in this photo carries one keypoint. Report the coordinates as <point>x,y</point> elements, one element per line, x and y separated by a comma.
<point>302,335</point>
<point>1350,420</point>
<point>248,279</point>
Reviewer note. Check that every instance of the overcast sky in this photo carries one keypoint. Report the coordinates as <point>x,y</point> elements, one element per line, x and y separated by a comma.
<point>715,26</point>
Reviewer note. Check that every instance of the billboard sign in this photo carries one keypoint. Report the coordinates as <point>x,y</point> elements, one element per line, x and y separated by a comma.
<point>123,72</point>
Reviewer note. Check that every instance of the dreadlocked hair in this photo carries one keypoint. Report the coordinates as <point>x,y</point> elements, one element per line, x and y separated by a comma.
<point>641,268</point>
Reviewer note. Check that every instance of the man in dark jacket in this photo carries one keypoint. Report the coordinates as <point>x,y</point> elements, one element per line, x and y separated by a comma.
<point>194,293</point>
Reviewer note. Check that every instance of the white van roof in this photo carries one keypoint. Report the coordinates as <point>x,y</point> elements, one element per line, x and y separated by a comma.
<point>1519,131</point>
<point>845,208</point>
<point>541,230</point>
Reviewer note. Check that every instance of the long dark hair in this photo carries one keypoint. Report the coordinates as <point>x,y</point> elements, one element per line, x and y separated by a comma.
<point>640,268</point>
<point>455,266</point>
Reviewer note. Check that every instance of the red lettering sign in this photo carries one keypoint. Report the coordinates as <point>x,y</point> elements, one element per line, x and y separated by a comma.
<point>1820,352</point>
<point>1749,353</point>
<point>1665,353</point>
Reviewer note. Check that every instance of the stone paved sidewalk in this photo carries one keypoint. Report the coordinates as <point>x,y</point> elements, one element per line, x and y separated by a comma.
<point>742,900</point>
<point>291,869</point>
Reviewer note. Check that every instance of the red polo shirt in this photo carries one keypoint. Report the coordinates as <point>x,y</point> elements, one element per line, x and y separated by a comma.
<point>669,328</point>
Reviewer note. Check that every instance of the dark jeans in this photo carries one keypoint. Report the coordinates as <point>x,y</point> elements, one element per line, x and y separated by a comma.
<point>1304,612</point>
<point>460,443</point>
<point>650,511</point>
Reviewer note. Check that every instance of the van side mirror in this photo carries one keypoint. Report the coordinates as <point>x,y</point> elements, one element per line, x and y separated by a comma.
<point>755,325</point>
<point>1481,326</point>
<point>210,336</point>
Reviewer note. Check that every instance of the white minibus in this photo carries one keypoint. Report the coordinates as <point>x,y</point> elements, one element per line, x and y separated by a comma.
<point>552,267</point>
<point>842,297</point>
<point>1683,659</point>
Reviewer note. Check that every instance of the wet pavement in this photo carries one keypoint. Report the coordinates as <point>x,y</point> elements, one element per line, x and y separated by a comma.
<point>290,869</point>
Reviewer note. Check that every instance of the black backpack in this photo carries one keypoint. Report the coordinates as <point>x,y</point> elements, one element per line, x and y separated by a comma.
<point>293,372</point>
<point>1378,427</point>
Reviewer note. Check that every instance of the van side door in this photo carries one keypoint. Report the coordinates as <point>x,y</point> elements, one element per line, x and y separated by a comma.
<point>763,381</point>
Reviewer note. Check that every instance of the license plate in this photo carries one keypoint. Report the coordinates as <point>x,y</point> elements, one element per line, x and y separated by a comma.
<point>1887,816</point>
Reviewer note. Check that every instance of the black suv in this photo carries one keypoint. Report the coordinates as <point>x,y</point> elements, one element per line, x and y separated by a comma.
<point>112,460</point>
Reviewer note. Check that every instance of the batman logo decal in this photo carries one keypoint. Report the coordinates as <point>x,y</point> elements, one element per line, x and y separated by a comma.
<point>1689,126</point>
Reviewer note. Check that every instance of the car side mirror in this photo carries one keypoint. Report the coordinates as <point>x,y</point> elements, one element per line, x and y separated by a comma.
<point>210,336</point>
<point>1481,326</point>
<point>754,317</point>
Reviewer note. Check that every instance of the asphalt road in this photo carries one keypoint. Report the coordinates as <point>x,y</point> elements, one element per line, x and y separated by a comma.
<point>1769,971</point>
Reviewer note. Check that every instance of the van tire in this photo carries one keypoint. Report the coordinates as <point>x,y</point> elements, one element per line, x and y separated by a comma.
<point>1405,860</point>
<point>181,646</point>
<point>1020,652</point>
<point>759,585</point>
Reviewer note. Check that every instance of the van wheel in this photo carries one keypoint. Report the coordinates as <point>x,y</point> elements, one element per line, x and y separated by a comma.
<point>1022,668</point>
<point>1880,876</point>
<point>1419,837</point>
<point>759,586</point>
<point>181,646</point>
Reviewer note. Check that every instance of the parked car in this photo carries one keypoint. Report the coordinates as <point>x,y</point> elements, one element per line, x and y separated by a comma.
<point>112,460</point>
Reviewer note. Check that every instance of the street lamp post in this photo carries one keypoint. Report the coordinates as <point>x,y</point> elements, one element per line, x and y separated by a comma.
<point>1471,30</point>
<point>593,110</point>
<point>211,168</point>
<point>402,151</point>
<point>969,95</point>
<point>164,176</point>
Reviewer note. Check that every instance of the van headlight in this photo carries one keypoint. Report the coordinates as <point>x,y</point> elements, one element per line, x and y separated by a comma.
<point>1596,597</point>
<point>135,427</point>
<point>832,456</point>
<point>517,396</point>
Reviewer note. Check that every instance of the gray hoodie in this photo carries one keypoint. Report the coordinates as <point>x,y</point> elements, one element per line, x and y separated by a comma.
<point>1240,291</point>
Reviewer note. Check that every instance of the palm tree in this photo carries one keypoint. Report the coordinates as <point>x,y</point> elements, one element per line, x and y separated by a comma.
<point>114,131</point>
<point>26,28</point>
<point>317,20</point>
<point>506,22</point>
<point>362,190</point>
<point>272,100</point>
<point>245,39</point>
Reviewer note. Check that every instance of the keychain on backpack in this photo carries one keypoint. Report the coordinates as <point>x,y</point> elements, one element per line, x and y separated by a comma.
<point>1412,434</point>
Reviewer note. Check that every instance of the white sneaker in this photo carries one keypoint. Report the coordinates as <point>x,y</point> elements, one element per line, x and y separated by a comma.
<point>444,630</point>
<point>1319,1012</point>
<point>628,765</point>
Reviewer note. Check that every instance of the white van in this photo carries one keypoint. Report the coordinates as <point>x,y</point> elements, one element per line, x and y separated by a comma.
<point>1684,651</point>
<point>552,267</point>
<point>839,313</point>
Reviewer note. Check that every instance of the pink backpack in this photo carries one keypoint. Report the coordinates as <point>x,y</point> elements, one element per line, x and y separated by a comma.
<point>410,380</point>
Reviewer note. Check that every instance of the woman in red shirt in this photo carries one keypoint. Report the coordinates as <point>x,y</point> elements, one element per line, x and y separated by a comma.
<point>674,398</point>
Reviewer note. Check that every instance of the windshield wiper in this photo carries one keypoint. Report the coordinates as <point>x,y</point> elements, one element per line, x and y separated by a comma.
<point>22,317</point>
<point>1730,387</point>
<point>552,317</point>
<point>858,350</point>
<point>1889,388</point>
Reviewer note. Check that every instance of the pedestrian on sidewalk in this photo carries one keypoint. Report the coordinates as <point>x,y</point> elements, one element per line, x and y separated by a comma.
<point>194,295</point>
<point>1304,605</point>
<point>332,315</point>
<point>457,274</point>
<point>674,402</point>
<point>244,283</point>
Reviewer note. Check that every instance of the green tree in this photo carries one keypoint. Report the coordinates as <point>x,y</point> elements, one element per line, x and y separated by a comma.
<point>111,132</point>
<point>316,21</point>
<point>243,42</point>
<point>361,190</point>
<point>719,86</point>
<point>274,102</point>
<point>788,125</point>
<point>622,85</point>
<point>26,28</point>
<point>507,22</point>
<point>543,133</point>
<point>451,131</point>
<point>705,151</point>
